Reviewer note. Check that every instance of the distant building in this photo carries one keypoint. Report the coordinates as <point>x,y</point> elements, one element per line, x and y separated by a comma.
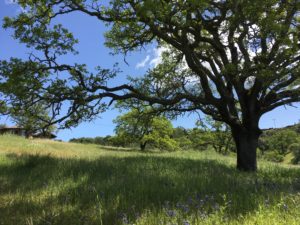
<point>20,131</point>
<point>13,130</point>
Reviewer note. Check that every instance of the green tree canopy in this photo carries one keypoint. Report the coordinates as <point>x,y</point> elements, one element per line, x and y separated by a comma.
<point>144,127</point>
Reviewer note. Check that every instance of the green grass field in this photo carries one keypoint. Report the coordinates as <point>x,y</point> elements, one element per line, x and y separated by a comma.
<point>47,182</point>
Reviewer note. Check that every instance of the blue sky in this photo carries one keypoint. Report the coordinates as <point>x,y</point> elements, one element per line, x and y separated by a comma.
<point>92,51</point>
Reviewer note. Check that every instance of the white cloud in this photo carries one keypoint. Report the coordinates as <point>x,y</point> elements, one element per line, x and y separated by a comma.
<point>157,58</point>
<point>153,58</point>
<point>143,63</point>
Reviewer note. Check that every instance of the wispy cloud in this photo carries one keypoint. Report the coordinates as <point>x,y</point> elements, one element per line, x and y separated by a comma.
<point>157,56</point>
<point>152,59</point>
<point>143,63</point>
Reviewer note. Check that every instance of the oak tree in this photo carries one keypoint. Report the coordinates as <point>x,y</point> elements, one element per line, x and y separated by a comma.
<point>143,127</point>
<point>234,60</point>
<point>216,134</point>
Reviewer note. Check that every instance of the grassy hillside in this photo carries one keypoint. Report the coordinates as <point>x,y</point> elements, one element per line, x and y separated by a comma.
<point>46,182</point>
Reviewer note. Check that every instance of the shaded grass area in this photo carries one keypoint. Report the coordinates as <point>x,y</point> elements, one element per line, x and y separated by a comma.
<point>134,188</point>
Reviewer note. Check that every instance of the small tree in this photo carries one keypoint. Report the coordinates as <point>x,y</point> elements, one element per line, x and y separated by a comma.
<point>143,127</point>
<point>217,134</point>
<point>133,126</point>
<point>160,134</point>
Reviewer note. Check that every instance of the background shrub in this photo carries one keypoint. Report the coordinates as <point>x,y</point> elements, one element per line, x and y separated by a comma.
<point>273,156</point>
<point>295,149</point>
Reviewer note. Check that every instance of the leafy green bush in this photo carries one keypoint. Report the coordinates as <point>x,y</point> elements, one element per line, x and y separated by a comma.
<point>184,143</point>
<point>295,149</point>
<point>273,156</point>
<point>166,143</point>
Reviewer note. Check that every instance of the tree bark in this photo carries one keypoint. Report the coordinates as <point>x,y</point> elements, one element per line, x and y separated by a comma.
<point>246,142</point>
<point>143,146</point>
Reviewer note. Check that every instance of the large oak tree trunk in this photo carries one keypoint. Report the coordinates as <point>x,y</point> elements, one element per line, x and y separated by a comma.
<point>246,142</point>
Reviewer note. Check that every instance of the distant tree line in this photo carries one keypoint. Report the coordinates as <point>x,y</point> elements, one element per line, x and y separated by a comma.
<point>96,140</point>
<point>145,130</point>
<point>179,139</point>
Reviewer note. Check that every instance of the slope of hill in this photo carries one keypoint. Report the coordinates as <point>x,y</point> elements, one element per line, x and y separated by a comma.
<point>47,182</point>
<point>295,127</point>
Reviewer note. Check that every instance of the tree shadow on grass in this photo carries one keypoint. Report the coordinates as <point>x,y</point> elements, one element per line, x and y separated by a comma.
<point>110,189</point>
<point>117,149</point>
<point>132,150</point>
